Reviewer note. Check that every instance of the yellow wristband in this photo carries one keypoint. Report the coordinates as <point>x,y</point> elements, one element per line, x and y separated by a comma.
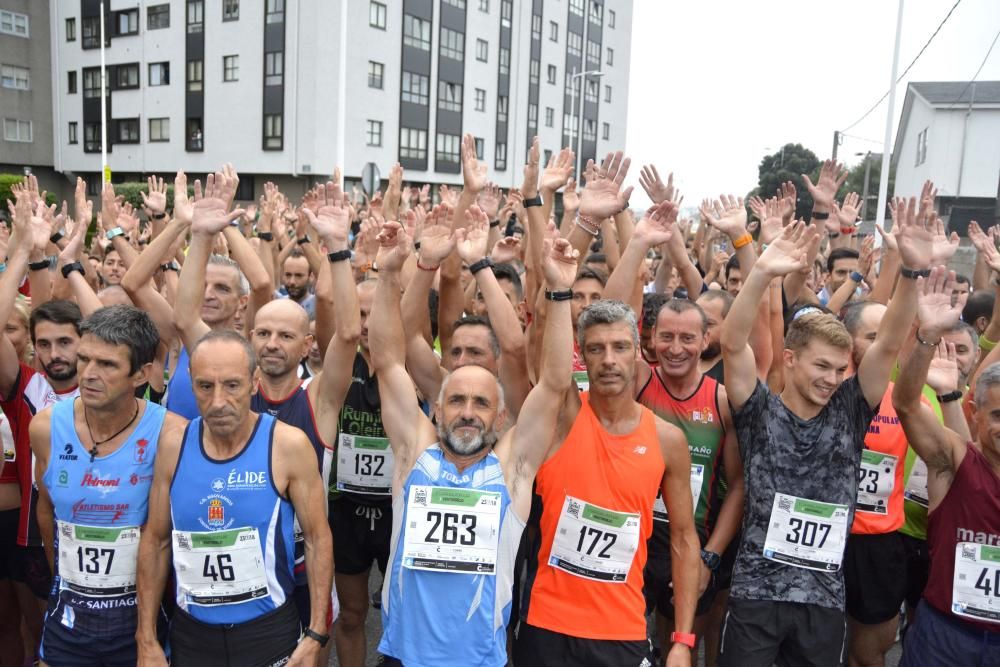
<point>742,241</point>
<point>986,344</point>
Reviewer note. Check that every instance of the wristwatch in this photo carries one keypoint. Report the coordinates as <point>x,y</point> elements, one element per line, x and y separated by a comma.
<point>950,396</point>
<point>113,232</point>
<point>711,559</point>
<point>320,639</point>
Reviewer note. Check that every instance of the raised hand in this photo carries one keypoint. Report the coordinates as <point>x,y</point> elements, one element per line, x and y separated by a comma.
<point>558,171</point>
<point>473,172</point>
<point>394,191</point>
<point>915,240</point>
<point>156,201</point>
<point>394,247</point>
<point>571,199</point>
<point>757,207</point>
<point>110,206</point>
<point>658,191</point>
<point>657,226</point>
<point>83,208</point>
<point>559,263</point>
<point>127,219</point>
<point>985,247</point>
<point>772,222</point>
<point>211,212</point>
<point>603,195</point>
<point>944,246</point>
<point>848,213</point>
<point>787,197</point>
<point>789,252</point>
<point>943,373</point>
<point>506,250</point>
<point>831,177</point>
<point>729,216</point>
<point>473,239</point>
<point>437,239</point>
<point>183,208</point>
<point>332,221</point>
<point>935,311</point>
<point>74,245</point>
<point>489,200</point>
<point>888,240</point>
<point>531,168</point>
<point>866,255</point>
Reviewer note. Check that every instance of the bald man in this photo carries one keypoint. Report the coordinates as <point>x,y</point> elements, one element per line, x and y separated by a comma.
<point>280,339</point>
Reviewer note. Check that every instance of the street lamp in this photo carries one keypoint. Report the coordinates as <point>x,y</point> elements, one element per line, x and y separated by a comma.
<point>579,121</point>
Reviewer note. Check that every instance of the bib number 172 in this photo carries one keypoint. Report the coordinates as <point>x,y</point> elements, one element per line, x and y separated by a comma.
<point>596,537</point>
<point>806,532</point>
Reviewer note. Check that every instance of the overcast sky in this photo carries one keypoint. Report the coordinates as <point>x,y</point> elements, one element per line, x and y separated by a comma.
<point>715,83</point>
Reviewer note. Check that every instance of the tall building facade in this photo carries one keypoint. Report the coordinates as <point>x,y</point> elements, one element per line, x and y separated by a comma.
<point>288,89</point>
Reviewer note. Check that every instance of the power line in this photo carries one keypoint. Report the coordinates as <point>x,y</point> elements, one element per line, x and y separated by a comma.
<point>908,67</point>
<point>976,75</point>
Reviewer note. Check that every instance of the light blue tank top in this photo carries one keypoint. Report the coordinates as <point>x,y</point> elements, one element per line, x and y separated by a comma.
<point>459,617</point>
<point>99,506</point>
<point>180,394</point>
<point>216,506</point>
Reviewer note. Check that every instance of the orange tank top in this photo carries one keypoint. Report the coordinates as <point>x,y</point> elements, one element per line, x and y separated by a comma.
<point>597,496</point>
<point>879,507</point>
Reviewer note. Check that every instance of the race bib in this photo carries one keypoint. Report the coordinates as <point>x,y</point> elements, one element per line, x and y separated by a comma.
<point>451,530</point>
<point>697,477</point>
<point>97,561</point>
<point>975,591</point>
<point>582,380</point>
<point>916,486</point>
<point>876,481</point>
<point>806,533</point>
<point>364,465</point>
<point>219,567</point>
<point>595,543</point>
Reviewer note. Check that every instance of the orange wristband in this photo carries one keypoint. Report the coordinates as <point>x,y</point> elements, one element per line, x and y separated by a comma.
<point>742,241</point>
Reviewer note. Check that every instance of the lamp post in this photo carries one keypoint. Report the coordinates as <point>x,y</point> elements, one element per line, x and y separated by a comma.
<point>579,120</point>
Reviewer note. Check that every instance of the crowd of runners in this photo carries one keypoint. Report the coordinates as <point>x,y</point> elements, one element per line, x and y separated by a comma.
<point>566,434</point>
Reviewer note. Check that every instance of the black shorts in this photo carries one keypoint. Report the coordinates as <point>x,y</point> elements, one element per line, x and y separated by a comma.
<point>62,647</point>
<point>361,534</point>
<point>939,639</point>
<point>543,648</point>
<point>265,641</point>
<point>8,541</point>
<point>660,596</point>
<point>918,566</point>
<point>760,633</point>
<point>874,578</point>
<point>31,568</point>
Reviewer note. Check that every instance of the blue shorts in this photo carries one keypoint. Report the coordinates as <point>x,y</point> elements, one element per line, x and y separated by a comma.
<point>937,639</point>
<point>61,647</point>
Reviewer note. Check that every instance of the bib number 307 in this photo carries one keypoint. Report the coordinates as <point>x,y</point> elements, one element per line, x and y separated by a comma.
<point>806,533</point>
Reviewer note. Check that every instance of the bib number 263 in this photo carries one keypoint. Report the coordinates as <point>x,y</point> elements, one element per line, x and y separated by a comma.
<point>448,523</point>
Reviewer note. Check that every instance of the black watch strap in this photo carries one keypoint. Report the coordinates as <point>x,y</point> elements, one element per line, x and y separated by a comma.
<point>479,265</point>
<point>913,274</point>
<point>818,215</point>
<point>320,639</point>
<point>265,236</point>
<point>71,267</point>
<point>40,265</point>
<point>339,256</point>
<point>533,201</point>
<point>559,295</point>
<point>55,238</point>
<point>949,397</point>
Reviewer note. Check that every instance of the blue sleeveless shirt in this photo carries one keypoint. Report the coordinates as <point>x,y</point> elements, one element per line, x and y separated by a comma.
<point>99,506</point>
<point>455,616</point>
<point>232,539</point>
<point>180,393</point>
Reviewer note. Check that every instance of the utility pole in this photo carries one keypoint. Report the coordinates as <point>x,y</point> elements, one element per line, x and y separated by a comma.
<point>836,144</point>
<point>864,192</point>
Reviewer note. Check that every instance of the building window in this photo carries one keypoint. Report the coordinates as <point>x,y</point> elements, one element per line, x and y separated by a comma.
<point>71,82</point>
<point>230,10</point>
<point>576,7</point>
<point>502,109</point>
<point>589,130</point>
<point>195,138</point>
<point>591,91</point>
<point>127,22</point>
<point>452,44</point>
<point>17,78</point>
<point>71,32</point>
<point>552,74</point>
<point>274,12</point>
<point>72,133</point>
<point>553,31</point>
<point>416,88</point>
<point>17,130</point>
<point>91,33</point>
<point>91,138</point>
<point>506,11</point>
<point>480,148</point>
<point>596,12</point>
<point>273,132</point>
<point>194,75</point>
<point>447,148</point>
<point>571,84</point>
<point>570,124</point>
<point>593,51</point>
<point>412,144</point>
<point>195,15</point>
<point>607,93</point>
<point>274,68</point>
<point>550,116</point>
<point>574,43</point>
<point>611,56</point>
<point>536,26</point>
<point>504,60</point>
<point>533,72</point>
<point>921,147</point>
<point>454,3</point>
<point>416,32</point>
<point>484,5</point>
<point>532,114</point>
<point>157,17</point>
<point>606,131</point>
<point>159,74</point>
<point>450,96</point>
<point>159,129</point>
<point>482,50</point>
<point>230,68</point>
<point>375,74</point>
<point>12,23</point>
<point>480,99</point>
<point>125,77</point>
<point>611,18</point>
<point>91,82</point>
<point>376,15</point>
<point>128,131</point>
<point>373,133</point>
<point>500,158</point>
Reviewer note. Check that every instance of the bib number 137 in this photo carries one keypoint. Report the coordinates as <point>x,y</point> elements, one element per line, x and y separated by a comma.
<point>93,560</point>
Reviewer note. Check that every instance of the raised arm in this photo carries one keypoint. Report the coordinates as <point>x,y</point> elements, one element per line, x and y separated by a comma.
<point>19,250</point>
<point>656,227</point>
<point>72,252</point>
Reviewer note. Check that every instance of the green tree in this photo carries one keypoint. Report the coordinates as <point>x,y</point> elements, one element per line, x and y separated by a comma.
<point>856,183</point>
<point>788,164</point>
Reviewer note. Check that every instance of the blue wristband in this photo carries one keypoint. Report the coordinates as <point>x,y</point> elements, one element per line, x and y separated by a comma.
<point>857,277</point>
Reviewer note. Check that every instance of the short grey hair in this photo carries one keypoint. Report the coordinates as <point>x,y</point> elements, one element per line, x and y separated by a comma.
<point>968,329</point>
<point>501,402</point>
<point>607,311</point>
<point>222,260</point>
<point>989,377</point>
<point>231,337</point>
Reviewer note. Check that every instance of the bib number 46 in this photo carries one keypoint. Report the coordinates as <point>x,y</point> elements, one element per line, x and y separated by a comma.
<point>598,536</point>
<point>805,532</point>
<point>449,522</point>
<point>219,570</point>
